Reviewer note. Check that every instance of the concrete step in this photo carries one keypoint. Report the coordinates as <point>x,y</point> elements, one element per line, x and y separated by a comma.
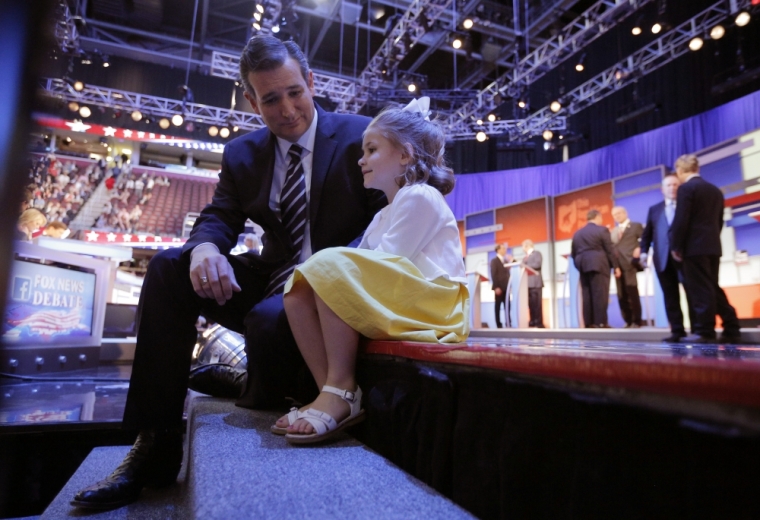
<point>237,469</point>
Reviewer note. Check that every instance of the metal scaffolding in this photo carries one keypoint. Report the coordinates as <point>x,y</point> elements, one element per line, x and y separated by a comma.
<point>665,49</point>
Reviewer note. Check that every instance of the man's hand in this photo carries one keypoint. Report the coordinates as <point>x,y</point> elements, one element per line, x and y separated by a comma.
<point>497,291</point>
<point>637,252</point>
<point>211,274</point>
<point>676,256</point>
<point>618,272</point>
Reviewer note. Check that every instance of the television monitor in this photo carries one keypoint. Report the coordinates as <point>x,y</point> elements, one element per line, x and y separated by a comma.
<point>120,321</point>
<point>55,299</point>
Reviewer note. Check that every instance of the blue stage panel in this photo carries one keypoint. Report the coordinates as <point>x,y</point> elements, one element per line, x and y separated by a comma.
<point>638,205</point>
<point>478,220</point>
<point>635,182</point>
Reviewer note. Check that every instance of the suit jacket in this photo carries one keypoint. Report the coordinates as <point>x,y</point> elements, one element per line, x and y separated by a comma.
<point>623,250</point>
<point>698,220</point>
<point>340,207</point>
<point>499,274</point>
<point>656,236</point>
<point>534,260</point>
<point>591,249</point>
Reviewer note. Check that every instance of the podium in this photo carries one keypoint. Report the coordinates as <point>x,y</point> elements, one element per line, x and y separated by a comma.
<point>517,289</point>
<point>474,279</point>
<point>572,295</point>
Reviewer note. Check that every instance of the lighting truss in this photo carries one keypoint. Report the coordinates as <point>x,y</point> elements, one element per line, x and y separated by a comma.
<point>499,127</point>
<point>390,52</point>
<point>594,22</point>
<point>658,53</point>
<point>65,29</point>
<point>151,105</point>
<point>340,91</point>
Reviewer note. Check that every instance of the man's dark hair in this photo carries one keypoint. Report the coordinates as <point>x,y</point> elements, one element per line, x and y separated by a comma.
<point>265,53</point>
<point>498,246</point>
<point>592,214</point>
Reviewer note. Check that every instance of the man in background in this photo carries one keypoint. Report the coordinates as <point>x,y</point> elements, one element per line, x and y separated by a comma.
<point>533,259</point>
<point>659,219</point>
<point>625,240</point>
<point>56,229</point>
<point>499,282</point>
<point>695,241</point>
<point>251,242</point>
<point>591,251</point>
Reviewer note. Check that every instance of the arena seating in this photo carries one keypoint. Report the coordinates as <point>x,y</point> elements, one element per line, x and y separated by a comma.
<point>164,212</point>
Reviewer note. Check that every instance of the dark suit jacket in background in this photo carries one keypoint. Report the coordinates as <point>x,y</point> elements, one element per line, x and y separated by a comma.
<point>655,235</point>
<point>695,233</point>
<point>623,250</point>
<point>499,274</point>
<point>591,249</point>
<point>340,208</point>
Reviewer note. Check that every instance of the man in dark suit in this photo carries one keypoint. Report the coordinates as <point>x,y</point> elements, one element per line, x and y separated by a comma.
<point>591,251</point>
<point>659,218</point>
<point>533,259</point>
<point>299,179</point>
<point>625,245</point>
<point>499,282</point>
<point>695,241</point>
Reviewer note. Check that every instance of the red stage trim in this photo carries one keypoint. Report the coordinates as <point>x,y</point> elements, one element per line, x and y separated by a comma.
<point>724,380</point>
<point>107,131</point>
<point>741,200</point>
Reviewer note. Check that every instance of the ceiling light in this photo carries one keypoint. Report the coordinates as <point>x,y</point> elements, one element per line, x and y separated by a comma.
<point>86,61</point>
<point>479,121</point>
<point>480,136</point>
<point>636,31</point>
<point>224,132</point>
<point>235,128</point>
<point>106,63</point>
<point>260,8</point>
<point>78,86</point>
<point>656,28</point>
<point>85,112</point>
<point>177,119</point>
<point>213,131</point>
<point>742,18</point>
<point>412,87</point>
<point>257,17</point>
<point>522,103</point>
<point>256,26</point>
<point>547,135</point>
<point>136,115</point>
<point>73,106</point>
<point>579,67</point>
<point>492,117</point>
<point>555,106</point>
<point>276,29</point>
<point>164,123</point>
<point>696,43</point>
<point>457,43</point>
<point>717,32</point>
<point>468,23</point>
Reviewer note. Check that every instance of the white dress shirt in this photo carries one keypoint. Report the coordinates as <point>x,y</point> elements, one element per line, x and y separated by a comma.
<point>420,226</point>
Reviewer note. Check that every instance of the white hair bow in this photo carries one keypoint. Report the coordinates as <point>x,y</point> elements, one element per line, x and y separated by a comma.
<point>421,105</point>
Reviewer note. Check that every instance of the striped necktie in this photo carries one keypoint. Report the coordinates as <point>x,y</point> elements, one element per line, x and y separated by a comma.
<point>293,215</point>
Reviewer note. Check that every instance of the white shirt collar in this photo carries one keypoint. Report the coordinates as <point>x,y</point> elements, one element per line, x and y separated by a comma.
<point>624,224</point>
<point>306,141</point>
<point>528,251</point>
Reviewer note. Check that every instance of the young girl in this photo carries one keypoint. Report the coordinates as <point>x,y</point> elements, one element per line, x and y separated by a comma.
<point>406,281</point>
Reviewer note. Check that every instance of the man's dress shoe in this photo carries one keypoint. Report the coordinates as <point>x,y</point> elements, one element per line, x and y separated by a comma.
<point>674,338</point>
<point>218,380</point>
<point>154,461</point>
<point>731,337</point>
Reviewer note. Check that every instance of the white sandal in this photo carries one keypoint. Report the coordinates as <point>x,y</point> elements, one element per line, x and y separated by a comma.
<point>323,423</point>
<point>293,416</point>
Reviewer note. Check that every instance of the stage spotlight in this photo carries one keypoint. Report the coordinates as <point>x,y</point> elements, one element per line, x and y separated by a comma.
<point>164,123</point>
<point>136,115</point>
<point>106,62</point>
<point>742,18</point>
<point>717,32</point>
<point>78,86</point>
<point>636,31</point>
<point>468,23</point>
<point>480,136</point>
<point>260,8</point>
<point>548,146</point>
<point>276,29</point>
<point>412,87</point>
<point>213,131</point>
<point>547,135</point>
<point>555,106</point>
<point>637,26</point>
<point>86,60</point>
<point>85,112</point>
<point>492,117</point>
<point>580,66</point>
<point>696,43</point>
<point>457,43</point>
<point>522,103</point>
<point>73,106</point>
<point>235,128</point>
<point>479,122</point>
<point>177,119</point>
<point>656,28</point>
<point>257,26</point>
<point>257,17</point>
<point>224,132</point>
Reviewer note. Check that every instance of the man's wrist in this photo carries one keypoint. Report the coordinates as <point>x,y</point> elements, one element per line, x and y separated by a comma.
<point>203,247</point>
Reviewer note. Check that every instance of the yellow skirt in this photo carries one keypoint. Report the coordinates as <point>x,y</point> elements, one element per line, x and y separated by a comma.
<point>384,296</point>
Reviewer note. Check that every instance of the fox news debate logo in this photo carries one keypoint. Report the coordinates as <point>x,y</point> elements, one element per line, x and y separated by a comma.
<point>22,289</point>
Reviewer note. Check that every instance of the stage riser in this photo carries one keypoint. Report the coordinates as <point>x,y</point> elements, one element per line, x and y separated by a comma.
<point>503,446</point>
